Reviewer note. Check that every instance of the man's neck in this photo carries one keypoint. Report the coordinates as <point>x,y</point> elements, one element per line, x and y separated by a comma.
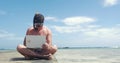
<point>40,28</point>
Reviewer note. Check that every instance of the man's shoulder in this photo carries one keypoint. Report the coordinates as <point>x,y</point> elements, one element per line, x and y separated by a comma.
<point>46,28</point>
<point>30,28</point>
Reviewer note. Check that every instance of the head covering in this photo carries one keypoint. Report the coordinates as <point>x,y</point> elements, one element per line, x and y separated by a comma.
<point>38,20</point>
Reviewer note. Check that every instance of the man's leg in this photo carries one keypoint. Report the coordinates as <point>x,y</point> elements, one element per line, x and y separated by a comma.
<point>49,49</point>
<point>29,53</point>
<point>53,49</point>
<point>24,51</point>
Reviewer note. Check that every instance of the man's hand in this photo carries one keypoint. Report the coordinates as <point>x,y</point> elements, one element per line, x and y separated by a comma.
<point>45,46</point>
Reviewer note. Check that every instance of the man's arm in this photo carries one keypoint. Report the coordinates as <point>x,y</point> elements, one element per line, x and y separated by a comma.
<point>24,42</point>
<point>27,33</point>
<point>49,37</point>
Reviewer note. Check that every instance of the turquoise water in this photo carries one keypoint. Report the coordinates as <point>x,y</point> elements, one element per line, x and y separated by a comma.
<point>87,55</point>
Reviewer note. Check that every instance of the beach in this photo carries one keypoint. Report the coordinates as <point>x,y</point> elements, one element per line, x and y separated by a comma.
<point>82,55</point>
<point>12,56</point>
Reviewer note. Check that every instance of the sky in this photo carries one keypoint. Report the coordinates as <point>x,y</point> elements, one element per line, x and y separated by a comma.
<point>74,23</point>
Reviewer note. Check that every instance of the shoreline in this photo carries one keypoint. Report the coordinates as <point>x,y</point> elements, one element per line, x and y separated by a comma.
<point>2,49</point>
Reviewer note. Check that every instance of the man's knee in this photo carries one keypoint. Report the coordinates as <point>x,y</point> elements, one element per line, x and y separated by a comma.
<point>45,46</point>
<point>53,49</point>
<point>19,47</point>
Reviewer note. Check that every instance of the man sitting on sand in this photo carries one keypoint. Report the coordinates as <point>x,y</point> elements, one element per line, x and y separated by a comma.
<point>38,29</point>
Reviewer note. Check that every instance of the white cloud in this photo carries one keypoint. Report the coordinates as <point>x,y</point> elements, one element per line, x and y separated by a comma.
<point>92,36</point>
<point>102,36</point>
<point>90,30</point>
<point>78,20</point>
<point>9,36</point>
<point>4,34</point>
<point>51,18</point>
<point>88,33</point>
<point>110,2</point>
<point>67,29</point>
<point>104,33</point>
<point>74,29</point>
<point>75,24</point>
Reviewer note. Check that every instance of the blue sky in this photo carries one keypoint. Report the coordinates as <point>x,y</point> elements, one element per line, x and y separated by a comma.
<point>74,23</point>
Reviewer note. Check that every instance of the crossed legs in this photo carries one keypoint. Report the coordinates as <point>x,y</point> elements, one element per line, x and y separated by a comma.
<point>45,52</point>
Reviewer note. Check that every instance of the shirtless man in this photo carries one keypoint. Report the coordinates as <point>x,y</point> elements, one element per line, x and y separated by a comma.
<point>38,29</point>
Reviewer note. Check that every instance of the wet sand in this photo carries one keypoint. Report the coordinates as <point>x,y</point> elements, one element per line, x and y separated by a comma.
<point>15,57</point>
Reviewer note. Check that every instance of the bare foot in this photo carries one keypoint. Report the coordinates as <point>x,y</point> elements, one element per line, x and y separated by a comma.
<point>48,56</point>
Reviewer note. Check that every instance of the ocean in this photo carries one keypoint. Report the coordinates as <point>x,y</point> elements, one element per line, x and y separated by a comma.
<point>89,55</point>
<point>86,55</point>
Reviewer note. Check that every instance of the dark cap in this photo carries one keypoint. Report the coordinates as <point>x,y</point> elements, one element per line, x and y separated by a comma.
<point>38,18</point>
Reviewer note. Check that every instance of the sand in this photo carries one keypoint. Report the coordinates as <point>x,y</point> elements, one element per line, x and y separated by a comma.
<point>15,57</point>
